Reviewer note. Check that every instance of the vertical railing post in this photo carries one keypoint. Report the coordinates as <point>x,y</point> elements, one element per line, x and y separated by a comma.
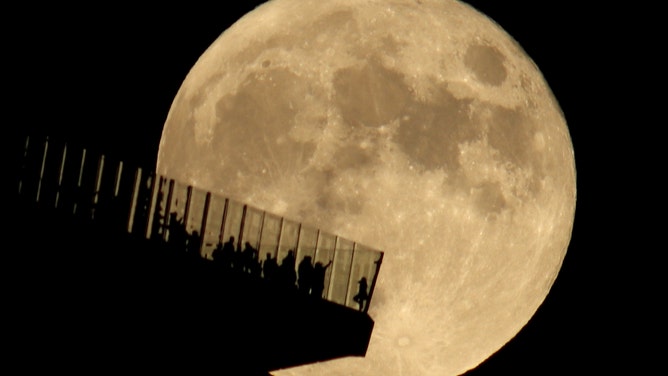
<point>168,207</point>
<point>78,190</point>
<point>41,169</point>
<point>96,188</point>
<point>223,220</point>
<point>60,175</point>
<point>133,199</point>
<point>298,243</point>
<point>117,179</point>
<point>205,217</point>
<point>280,238</point>
<point>332,274</point>
<point>186,210</point>
<point>156,185</point>
<point>259,237</point>
<point>316,251</point>
<point>373,281</point>
<point>241,227</point>
<point>23,164</point>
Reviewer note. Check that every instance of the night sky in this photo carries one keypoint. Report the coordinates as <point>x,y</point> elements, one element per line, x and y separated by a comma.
<point>105,77</point>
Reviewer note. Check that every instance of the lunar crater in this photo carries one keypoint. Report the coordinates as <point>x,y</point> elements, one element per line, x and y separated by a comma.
<point>370,94</point>
<point>489,197</point>
<point>487,64</point>
<point>429,132</point>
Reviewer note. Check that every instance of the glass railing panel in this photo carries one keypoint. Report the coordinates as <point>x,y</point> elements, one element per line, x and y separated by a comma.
<point>323,262</point>
<point>193,220</point>
<point>52,161</point>
<point>112,193</point>
<point>308,242</point>
<point>177,199</point>
<point>340,278</point>
<point>31,166</point>
<point>122,195</point>
<point>365,264</point>
<point>144,197</point>
<point>213,234</point>
<point>68,195</point>
<point>136,221</point>
<point>158,208</point>
<point>233,217</point>
<point>86,182</point>
<point>289,239</point>
<point>270,236</point>
<point>251,227</point>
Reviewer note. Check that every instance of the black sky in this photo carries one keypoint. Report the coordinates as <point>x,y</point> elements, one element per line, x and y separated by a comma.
<point>106,77</point>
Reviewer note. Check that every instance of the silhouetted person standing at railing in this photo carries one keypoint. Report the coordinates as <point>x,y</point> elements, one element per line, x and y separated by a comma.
<point>269,268</point>
<point>319,271</point>
<point>238,262</point>
<point>287,276</point>
<point>228,252</point>
<point>193,245</point>
<point>217,255</point>
<point>223,255</point>
<point>177,236</point>
<point>249,259</point>
<point>255,266</point>
<point>362,296</point>
<point>305,271</point>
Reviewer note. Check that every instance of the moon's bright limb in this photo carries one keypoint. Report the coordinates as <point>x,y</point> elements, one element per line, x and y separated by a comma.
<point>417,127</point>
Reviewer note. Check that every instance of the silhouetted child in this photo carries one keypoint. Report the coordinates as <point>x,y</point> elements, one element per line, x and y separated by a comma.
<point>362,296</point>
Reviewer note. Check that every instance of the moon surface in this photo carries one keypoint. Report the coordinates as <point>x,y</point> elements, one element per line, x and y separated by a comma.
<point>417,127</point>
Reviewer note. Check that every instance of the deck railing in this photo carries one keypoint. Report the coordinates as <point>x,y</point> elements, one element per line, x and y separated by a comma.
<point>83,183</point>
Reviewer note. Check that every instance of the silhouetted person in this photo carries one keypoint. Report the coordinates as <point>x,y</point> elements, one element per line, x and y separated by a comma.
<point>318,285</point>
<point>269,268</point>
<point>223,255</point>
<point>362,296</point>
<point>249,259</point>
<point>217,255</point>
<point>238,262</point>
<point>286,271</point>
<point>255,265</point>
<point>194,244</point>
<point>177,233</point>
<point>305,271</point>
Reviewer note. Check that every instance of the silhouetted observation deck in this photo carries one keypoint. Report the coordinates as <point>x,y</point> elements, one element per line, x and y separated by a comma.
<point>308,264</point>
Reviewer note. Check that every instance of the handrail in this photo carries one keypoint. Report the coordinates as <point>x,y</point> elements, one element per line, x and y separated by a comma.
<point>142,202</point>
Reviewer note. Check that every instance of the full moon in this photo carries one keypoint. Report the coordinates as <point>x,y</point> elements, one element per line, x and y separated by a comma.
<point>417,127</point>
